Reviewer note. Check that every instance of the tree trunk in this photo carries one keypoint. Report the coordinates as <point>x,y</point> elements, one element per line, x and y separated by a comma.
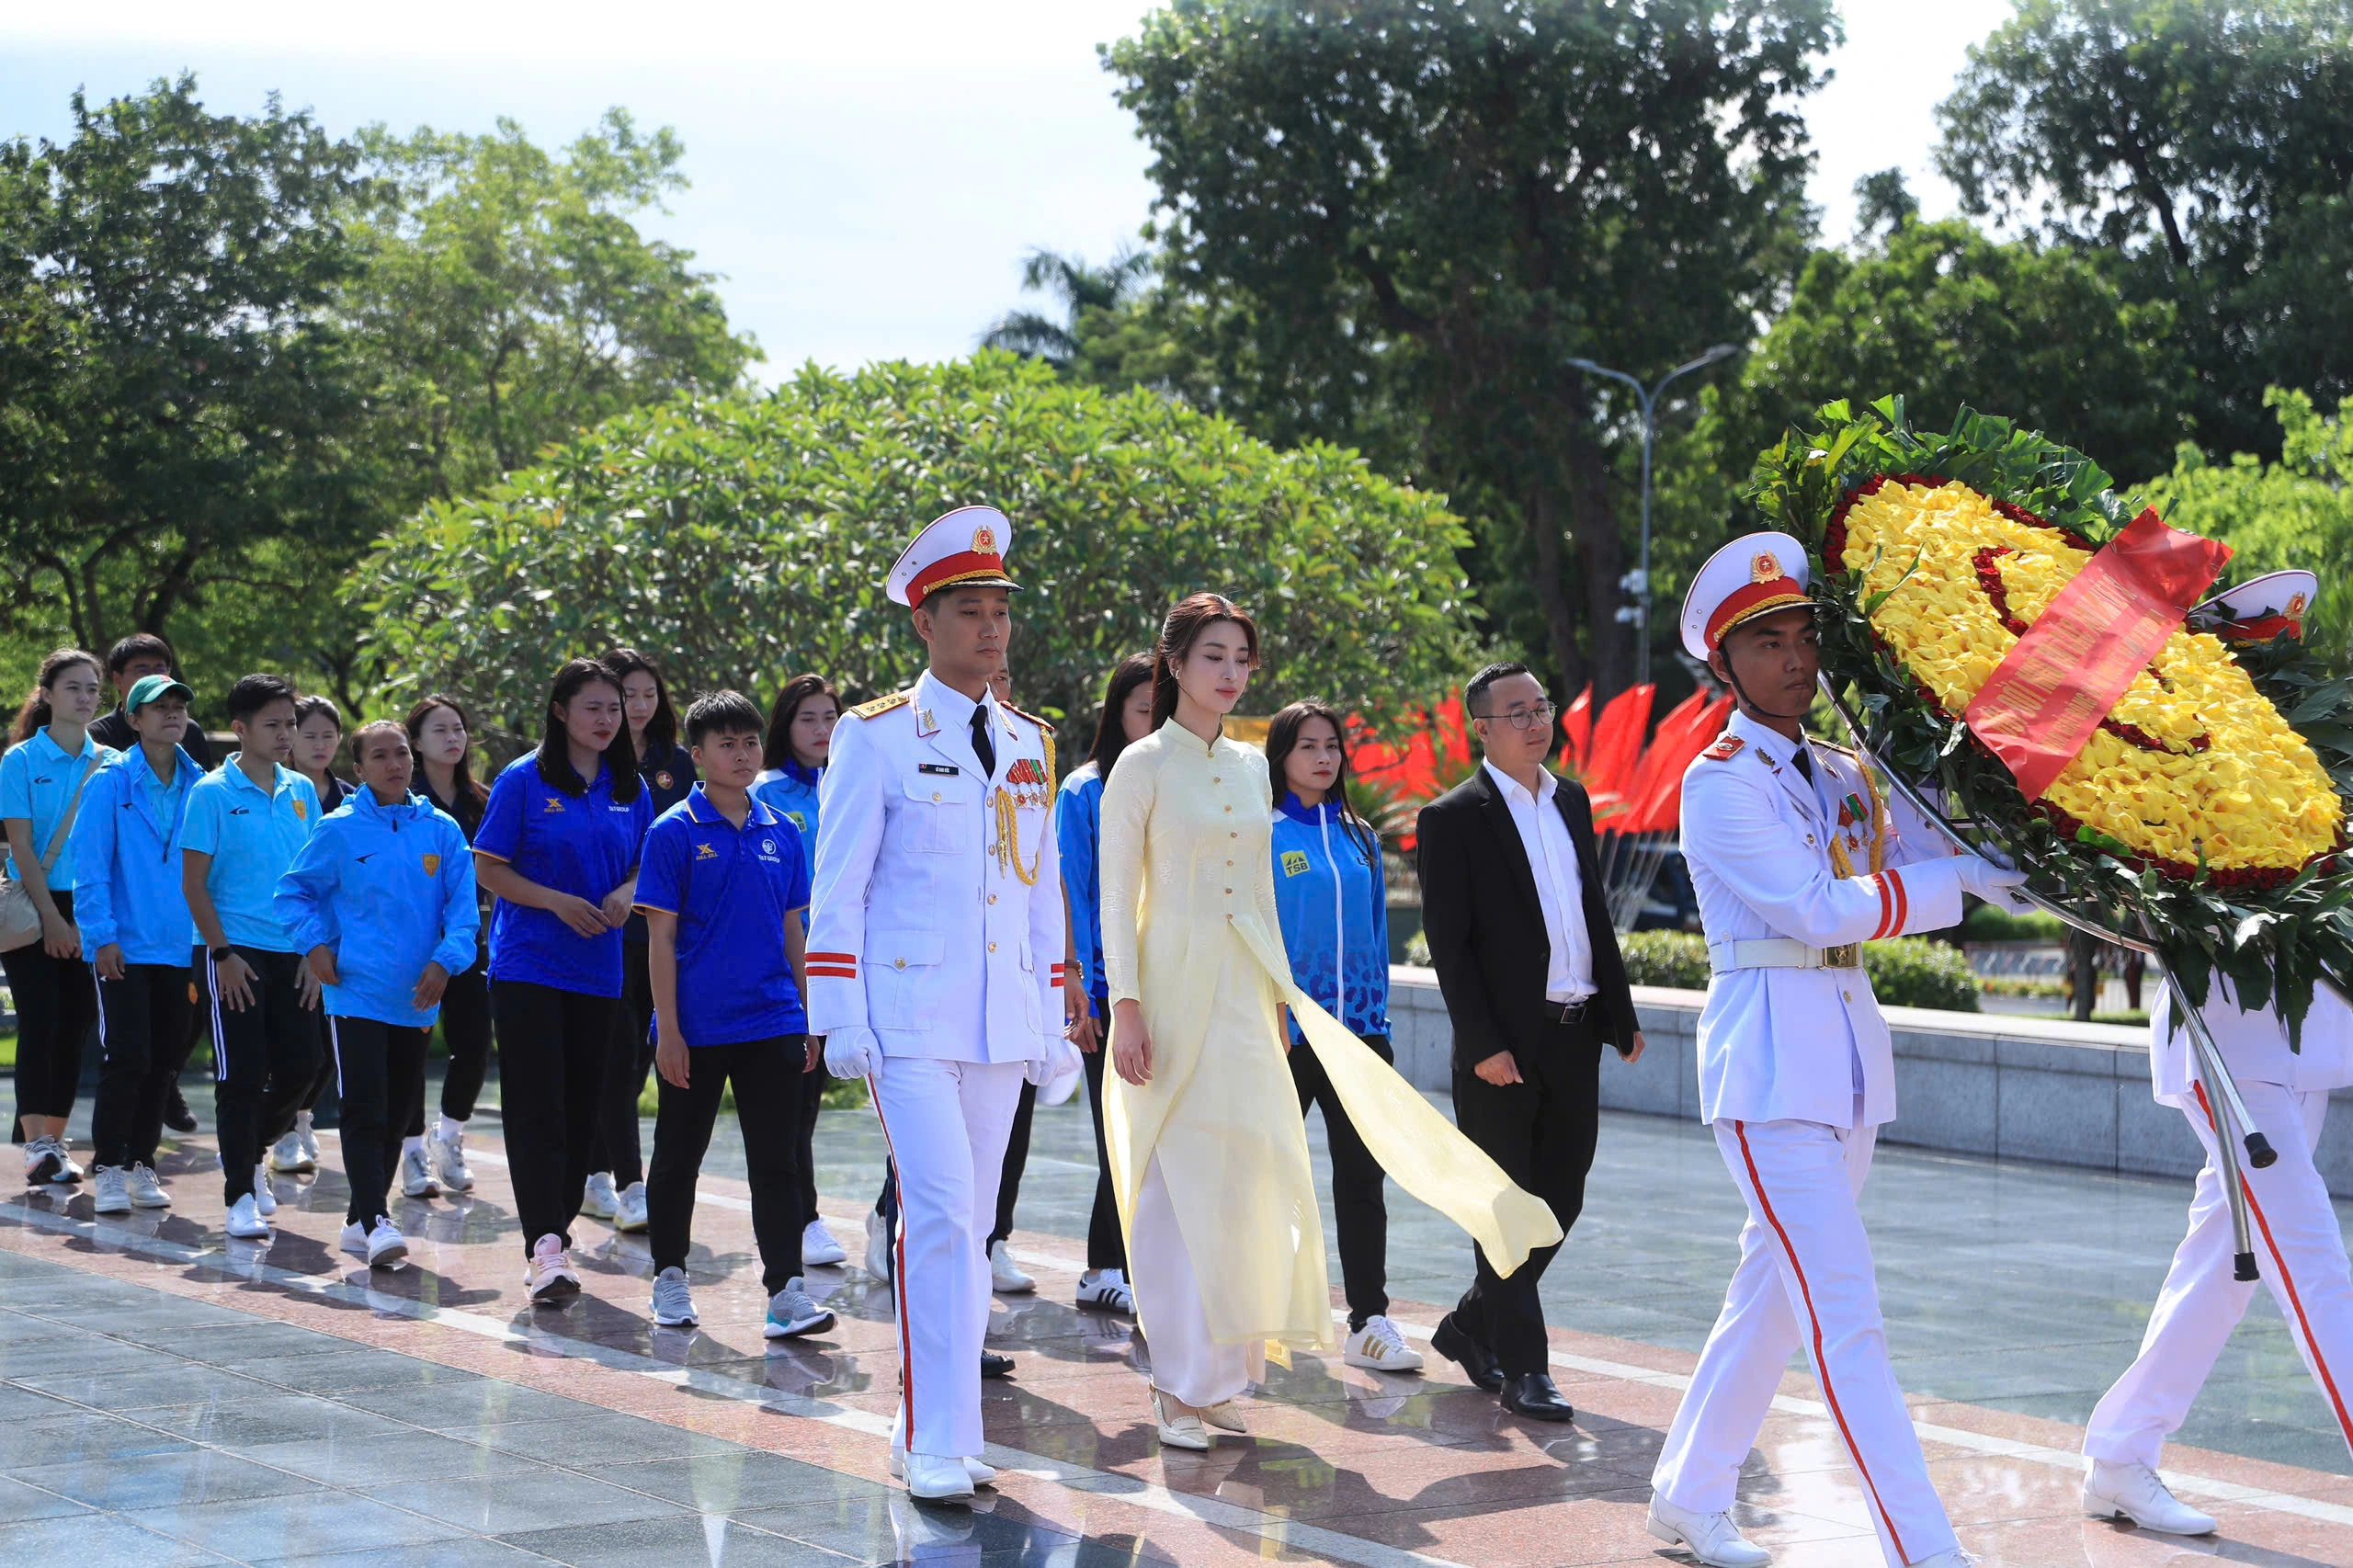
<point>1542,511</point>
<point>1601,556</point>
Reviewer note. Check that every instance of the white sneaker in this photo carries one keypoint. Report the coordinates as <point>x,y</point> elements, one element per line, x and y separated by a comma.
<point>146,1192</point>
<point>1178,1431</point>
<point>549,1276</point>
<point>285,1155</point>
<point>450,1162</point>
<point>44,1162</point>
<point>674,1304</point>
<point>628,1209</point>
<point>878,1247</point>
<point>244,1222</point>
<point>597,1198</point>
<point>386,1246</point>
<point>355,1239</point>
<point>306,1139</point>
<point>416,1177</point>
<point>2134,1492</point>
<point>1004,1274</point>
<point>68,1171</point>
<point>791,1314</point>
<point>1379,1345</point>
<point>937,1479</point>
<point>113,1191</point>
<point>265,1200</point>
<point>1712,1538</point>
<point>1107,1290</point>
<point>818,1247</point>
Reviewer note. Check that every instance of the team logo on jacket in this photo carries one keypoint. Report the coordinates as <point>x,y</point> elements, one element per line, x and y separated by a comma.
<point>1294,862</point>
<point>550,806</point>
<point>705,852</point>
<point>662,778</point>
<point>432,865</point>
<point>301,812</point>
<point>798,820</point>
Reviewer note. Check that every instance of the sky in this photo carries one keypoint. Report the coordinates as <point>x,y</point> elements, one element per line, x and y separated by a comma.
<point>867,178</point>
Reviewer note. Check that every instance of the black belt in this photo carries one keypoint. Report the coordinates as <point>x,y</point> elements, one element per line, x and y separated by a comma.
<point>1567,1012</point>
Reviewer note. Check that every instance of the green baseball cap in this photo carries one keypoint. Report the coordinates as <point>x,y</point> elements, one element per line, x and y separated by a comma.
<point>147,688</point>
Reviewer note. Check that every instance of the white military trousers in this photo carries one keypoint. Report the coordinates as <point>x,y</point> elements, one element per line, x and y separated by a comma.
<point>1804,1282</point>
<point>946,1123</point>
<point>2299,1252</point>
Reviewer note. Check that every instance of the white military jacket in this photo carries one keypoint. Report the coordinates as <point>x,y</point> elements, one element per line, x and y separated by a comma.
<point>2254,1045</point>
<point>936,913</point>
<point>1781,1044</point>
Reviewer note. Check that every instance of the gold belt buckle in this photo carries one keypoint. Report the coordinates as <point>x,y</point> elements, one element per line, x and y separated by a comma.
<point>1846,955</point>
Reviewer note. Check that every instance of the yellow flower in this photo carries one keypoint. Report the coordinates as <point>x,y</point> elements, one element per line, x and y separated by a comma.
<point>2252,797</point>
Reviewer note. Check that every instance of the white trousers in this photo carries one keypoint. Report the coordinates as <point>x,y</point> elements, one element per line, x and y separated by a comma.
<point>1186,1361</point>
<point>2299,1250</point>
<point>1804,1282</point>
<point>946,1123</point>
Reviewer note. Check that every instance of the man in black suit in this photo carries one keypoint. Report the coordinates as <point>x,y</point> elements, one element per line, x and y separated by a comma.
<point>1520,932</point>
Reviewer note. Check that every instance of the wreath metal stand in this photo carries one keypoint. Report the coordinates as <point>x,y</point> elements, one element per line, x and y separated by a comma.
<point>2234,1128</point>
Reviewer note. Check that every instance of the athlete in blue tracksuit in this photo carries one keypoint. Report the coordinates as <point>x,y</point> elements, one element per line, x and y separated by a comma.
<point>379,898</point>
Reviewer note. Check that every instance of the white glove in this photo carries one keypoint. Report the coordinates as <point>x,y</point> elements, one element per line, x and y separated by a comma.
<point>852,1052</point>
<point>1060,1057</point>
<point>1989,882</point>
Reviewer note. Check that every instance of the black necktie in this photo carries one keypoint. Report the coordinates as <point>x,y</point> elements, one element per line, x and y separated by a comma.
<point>1804,759</point>
<point>983,747</point>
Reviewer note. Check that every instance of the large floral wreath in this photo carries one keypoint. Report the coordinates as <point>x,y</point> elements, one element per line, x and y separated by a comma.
<point>2208,807</point>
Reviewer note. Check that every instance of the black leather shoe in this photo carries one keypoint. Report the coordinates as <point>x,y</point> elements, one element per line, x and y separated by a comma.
<point>996,1366</point>
<point>1478,1362</point>
<point>177,1115</point>
<point>1532,1394</point>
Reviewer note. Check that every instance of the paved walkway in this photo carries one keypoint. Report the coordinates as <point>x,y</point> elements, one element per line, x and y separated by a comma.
<point>169,1398</point>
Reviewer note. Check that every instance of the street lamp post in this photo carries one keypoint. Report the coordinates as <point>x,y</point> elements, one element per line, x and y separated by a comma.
<point>1638,580</point>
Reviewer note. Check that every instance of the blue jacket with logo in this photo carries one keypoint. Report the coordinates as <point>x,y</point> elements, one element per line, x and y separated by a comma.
<point>1334,905</point>
<point>389,889</point>
<point>1078,834</point>
<point>127,855</point>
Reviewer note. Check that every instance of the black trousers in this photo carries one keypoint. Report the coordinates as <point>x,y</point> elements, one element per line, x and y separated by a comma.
<point>1106,1244</point>
<point>465,1028</point>
<point>1542,1132</point>
<point>768,1081</point>
<point>1360,1206</point>
<point>56,1005</point>
<point>552,1047</point>
<point>142,1019</point>
<point>615,1148</point>
<point>1016,1160</point>
<point>813,1099</point>
<point>379,1073</point>
<point>264,1057</point>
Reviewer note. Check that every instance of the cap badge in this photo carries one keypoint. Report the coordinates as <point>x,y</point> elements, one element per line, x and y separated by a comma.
<point>984,540</point>
<point>1764,568</point>
<point>2295,603</point>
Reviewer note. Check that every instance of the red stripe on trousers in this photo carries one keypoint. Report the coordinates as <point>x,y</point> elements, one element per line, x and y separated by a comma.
<point>2287,1280</point>
<point>1821,1362</point>
<point>898,1275</point>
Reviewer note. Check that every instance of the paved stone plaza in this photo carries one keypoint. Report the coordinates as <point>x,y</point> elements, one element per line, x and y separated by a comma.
<point>170,1399</point>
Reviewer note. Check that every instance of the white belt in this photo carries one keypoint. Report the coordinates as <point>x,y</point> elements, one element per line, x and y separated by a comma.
<point>1781,952</point>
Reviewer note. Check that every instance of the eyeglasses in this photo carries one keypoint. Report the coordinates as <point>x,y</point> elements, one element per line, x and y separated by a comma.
<point>1523,718</point>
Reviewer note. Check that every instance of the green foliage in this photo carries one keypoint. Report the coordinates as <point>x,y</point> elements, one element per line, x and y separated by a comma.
<point>2209,144</point>
<point>1394,224</point>
<point>1915,971</point>
<point>748,539</point>
<point>1991,923</point>
<point>1089,295</point>
<point>1676,959</point>
<point>2295,512</point>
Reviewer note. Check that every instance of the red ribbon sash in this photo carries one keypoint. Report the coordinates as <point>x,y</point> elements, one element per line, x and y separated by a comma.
<point>2041,704</point>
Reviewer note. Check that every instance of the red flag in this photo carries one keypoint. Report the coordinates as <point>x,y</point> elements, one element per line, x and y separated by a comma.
<point>1662,812</point>
<point>1617,736</point>
<point>1577,724</point>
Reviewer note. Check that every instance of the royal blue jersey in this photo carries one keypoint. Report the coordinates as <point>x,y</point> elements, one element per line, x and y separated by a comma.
<point>582,845</point>
<point>731,889</point>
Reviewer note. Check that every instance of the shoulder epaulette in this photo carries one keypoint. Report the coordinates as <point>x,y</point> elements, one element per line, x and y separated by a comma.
<point>883,704</point>
<point>1725,749</point>
<point>1833,746</point>
<point>1026,714</point>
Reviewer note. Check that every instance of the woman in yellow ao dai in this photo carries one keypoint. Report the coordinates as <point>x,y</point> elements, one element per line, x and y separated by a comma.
<point>1208,1149</point>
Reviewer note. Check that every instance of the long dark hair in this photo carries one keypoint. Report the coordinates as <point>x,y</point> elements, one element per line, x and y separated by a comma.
<point>1111,728</point>
<point>1282,739</point>
<point>662,729</point>
<point>555,747</point>
<point>470,794</point>
<point>777,749</point>
<point>1194,614</point>
<point>35,714</point>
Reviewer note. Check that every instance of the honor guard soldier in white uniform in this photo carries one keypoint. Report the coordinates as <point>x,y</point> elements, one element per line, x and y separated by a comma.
<point>2299,1249</point>
<point>1797,861</point>
<point>936,963</point>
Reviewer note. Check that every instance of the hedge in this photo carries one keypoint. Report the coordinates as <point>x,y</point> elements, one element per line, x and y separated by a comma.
<point>1906,972</point>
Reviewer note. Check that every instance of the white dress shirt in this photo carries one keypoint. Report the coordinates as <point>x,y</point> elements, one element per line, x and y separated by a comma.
<point>1552,860</point>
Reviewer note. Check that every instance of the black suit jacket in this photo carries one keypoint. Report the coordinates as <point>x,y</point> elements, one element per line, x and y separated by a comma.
<point>1486,928</point>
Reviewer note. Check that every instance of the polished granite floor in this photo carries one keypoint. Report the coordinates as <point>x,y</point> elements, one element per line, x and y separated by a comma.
<point>167,1398</point>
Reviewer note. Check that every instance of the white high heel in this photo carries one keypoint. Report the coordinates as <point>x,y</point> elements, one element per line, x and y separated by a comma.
<point>1183,1431</point>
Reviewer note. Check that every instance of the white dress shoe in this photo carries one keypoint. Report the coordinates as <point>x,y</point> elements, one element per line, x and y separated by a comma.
<point>2133,1492</point>
<point>1712,1539</point>
<point>981,1474</point>
<point>1956,1558</point>
<point>937,1479</point>
<point>1004,1274</point>
<point>1226,1416</point>
<point>1178,1431</point>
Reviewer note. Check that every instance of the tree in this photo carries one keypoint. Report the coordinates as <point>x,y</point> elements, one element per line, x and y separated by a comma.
<point>746,539</point>
<point>2209,141</point>
<point>1403,220</point>
<point>2295,512</point>
<point>1086,294</point>
<point>177,402</point>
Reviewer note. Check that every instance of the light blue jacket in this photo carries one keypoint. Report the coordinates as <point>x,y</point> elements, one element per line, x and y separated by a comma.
<point>129,859</point>
<point>389,889</point>
<point>1078,832</point>
<point>790,792</point>
<point>1334,905</point>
